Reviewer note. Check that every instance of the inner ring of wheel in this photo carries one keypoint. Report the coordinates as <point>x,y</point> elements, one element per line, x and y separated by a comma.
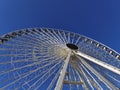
<point>72,46</point>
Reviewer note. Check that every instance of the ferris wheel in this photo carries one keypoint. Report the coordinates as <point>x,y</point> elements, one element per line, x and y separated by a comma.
<point>53,59</point>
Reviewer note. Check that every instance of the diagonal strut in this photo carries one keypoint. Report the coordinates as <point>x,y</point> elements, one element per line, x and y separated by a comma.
<point>101,63</point>
<point>62,73</point>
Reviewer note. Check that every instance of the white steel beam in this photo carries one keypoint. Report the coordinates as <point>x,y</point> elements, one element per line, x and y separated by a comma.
<point>62,73</point>
<point>99,62</point>
<point>111,86</point>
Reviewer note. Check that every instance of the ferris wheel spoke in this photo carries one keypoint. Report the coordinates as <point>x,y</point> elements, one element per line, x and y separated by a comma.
<point>74,77</point>
<point>15,55</point>
<point>17,81</point>
<point>23,53</point>
<point>69,77</point>
<point>64,36</point>
<point>16,45</point>
<point>28,39</point>
<point>113,78</point>
<point>56,35</point>
<point>85,85</point>
<point>37,76</point>
<point>78,73</point>
<point>29,65</point>
<point>73,38</point>
<point>38,35</point>
<point>39,62</point>
<point>54,80</point>
<point>57,38</point>
<point>77,41</point>
<point>37,68</point>
<point>26,60</point>
<point>27,74</point>
<point>88,83</point>
<point>101,78</point>
<point>68,37</point>
<point>33,58</point>
<point>60,35</point>
<point>22,43</point>
<point>43,79</point>
<point>27,45</point>
<point>43,38</point>
<point>93,82</point>
<point>20,75</point>
<point>28,42</point>
<point>45,58</point>
<point>45,33</point>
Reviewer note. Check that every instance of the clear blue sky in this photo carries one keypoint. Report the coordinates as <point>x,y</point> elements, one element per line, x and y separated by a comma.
<point>98,19</point>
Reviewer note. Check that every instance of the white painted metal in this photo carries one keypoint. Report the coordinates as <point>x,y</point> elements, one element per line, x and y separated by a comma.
<point>35,58</point>
<point>101,63</point>
<point>62,73</point>
<point>109,84</point>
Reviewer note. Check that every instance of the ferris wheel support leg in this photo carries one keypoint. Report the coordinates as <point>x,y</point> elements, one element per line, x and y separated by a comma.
<point>62,73</point>
<point>99,62</point>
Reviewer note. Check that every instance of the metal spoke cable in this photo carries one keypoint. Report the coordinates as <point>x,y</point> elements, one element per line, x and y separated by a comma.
<point>29,65</point>
<point>54,80</point>
<point>88,81</point>
<point>37,58</point>
<point>43,76</point>
<point>97,85</point>
<point>39,75</point>
<point>25,76</point>
<point>81,79</point>
<point>106,82</point>
<point>53,59</point>
<point>57,38</point>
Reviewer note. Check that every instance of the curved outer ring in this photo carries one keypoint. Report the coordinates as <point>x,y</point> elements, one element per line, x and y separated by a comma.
<point>9,35</point>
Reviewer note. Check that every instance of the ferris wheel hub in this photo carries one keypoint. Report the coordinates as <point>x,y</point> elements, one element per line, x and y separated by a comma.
<point>72,46</point>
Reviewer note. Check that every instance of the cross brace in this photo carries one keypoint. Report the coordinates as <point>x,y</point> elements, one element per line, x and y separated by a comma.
<point>72,82</point>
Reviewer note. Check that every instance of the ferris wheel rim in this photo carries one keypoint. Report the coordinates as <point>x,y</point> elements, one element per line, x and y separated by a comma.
<point>60,46</point>
<point>28,30</point>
